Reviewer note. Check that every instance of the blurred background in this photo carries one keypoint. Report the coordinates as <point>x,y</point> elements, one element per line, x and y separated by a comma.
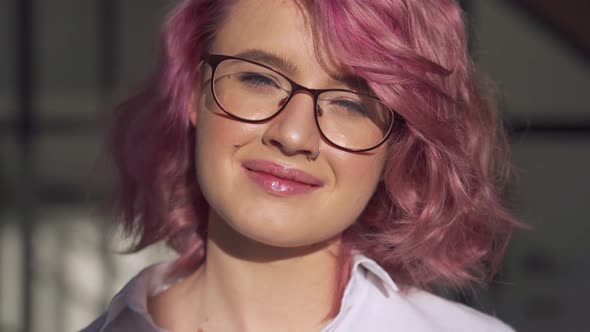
<point>63,62</point>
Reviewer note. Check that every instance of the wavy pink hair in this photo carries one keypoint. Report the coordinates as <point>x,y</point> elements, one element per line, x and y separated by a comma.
<point>436,219</point>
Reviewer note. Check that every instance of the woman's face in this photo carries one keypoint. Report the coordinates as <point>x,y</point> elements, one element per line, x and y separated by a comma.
<point>264,180</point>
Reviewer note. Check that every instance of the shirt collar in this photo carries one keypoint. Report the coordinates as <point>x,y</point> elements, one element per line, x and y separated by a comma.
<point>374,268</point>
<point>151,281</point>
<point>134,295</point>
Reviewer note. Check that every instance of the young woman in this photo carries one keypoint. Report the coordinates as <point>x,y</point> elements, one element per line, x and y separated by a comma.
<point>318,166</point>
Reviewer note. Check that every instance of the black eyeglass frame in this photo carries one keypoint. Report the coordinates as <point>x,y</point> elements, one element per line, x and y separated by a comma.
<point>215,59</point>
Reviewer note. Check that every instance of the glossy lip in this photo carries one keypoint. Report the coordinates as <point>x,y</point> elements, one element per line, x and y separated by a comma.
<point>279,179</point>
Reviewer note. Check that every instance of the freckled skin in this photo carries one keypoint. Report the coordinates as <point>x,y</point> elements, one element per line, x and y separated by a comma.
<point>349,179</point>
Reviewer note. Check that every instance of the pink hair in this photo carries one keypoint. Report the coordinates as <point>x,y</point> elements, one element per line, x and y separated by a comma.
<point>436,219</point>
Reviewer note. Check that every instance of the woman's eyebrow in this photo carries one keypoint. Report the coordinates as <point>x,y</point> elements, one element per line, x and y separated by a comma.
<point>287,67</point>
<point>268,58</point>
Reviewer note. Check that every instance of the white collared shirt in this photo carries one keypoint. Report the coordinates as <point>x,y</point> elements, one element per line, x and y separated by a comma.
<point>371,303</point>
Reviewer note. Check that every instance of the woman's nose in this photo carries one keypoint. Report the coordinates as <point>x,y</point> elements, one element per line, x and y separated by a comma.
<point>294,130</point>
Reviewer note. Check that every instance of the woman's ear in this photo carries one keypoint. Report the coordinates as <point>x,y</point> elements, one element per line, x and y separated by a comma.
<point>193,105</point>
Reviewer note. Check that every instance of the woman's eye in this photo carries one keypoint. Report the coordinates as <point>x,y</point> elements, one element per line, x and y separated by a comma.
<point>350,106</point>
<point>258,80</point>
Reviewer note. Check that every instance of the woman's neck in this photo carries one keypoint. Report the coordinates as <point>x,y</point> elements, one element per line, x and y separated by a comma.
<point>245,285</point>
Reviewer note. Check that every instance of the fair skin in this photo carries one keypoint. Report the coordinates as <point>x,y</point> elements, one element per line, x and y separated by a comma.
<point>271,259</point>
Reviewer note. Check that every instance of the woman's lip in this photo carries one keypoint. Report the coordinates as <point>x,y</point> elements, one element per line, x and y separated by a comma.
<point>280,180</point>
<point>278,186</point>
<point>282,172</point>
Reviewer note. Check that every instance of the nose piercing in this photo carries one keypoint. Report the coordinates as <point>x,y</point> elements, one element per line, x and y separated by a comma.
<point>314,156</point>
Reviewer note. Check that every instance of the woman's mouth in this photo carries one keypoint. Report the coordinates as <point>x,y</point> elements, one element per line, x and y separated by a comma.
<point>280,180</point>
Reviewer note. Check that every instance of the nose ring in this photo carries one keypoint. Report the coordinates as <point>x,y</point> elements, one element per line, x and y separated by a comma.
<point>314,156</point>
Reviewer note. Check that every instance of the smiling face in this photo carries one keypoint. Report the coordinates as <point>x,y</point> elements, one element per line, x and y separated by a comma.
<point>278,182</point>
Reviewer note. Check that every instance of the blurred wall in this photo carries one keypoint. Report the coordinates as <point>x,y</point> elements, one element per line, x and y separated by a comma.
<point>58,261</point>
<point>545,84</point>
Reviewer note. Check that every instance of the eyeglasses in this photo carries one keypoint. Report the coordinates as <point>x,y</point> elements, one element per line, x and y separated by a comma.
<point>254,93</point>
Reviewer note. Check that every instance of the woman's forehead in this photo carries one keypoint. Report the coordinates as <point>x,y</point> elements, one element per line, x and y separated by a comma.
<point>263,24</point>
<point>279,34</point>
